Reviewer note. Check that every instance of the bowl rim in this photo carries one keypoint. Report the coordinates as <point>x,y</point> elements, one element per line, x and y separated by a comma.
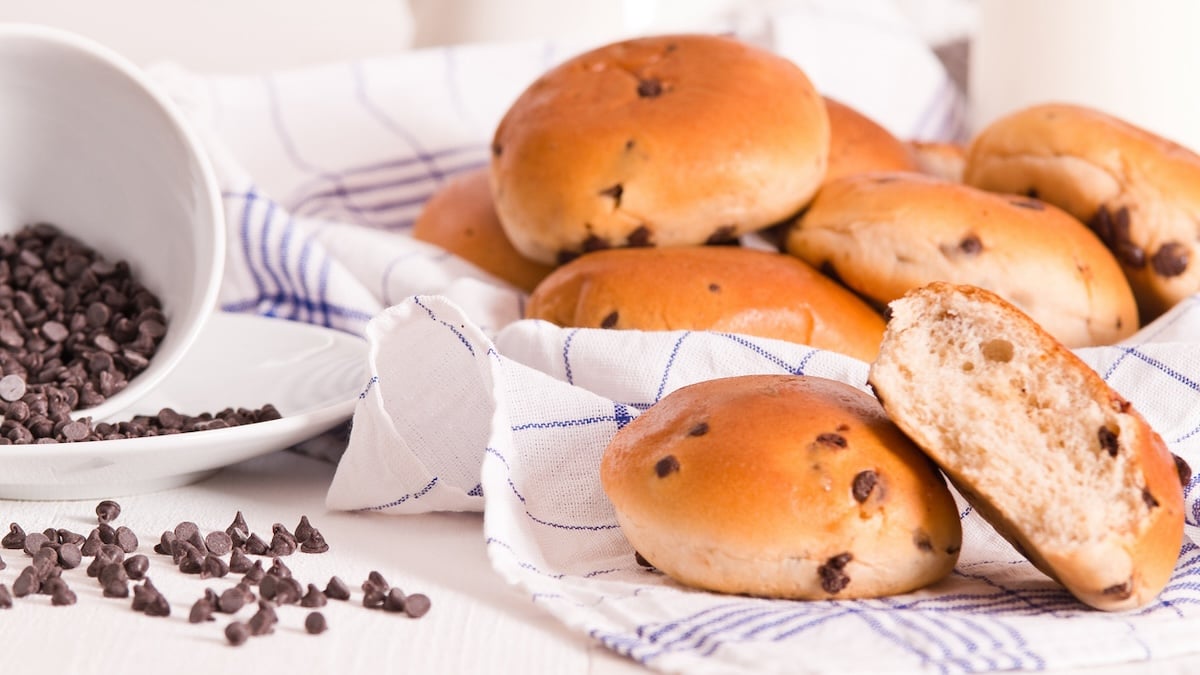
<point>211,196</point>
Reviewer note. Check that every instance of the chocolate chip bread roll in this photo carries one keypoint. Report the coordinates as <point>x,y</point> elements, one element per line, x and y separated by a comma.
<point>737,290</point>
<point>1139,192</point>
<point>658,141</point>
<point>1057,461</point>
<point>461,218</point>
<point>780,486</point>
<point>885,234</point>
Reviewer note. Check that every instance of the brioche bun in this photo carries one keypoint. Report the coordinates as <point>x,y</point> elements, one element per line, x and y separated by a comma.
<point>737,290</point>
<point>780,486</point>
<point>658,141</point>
<point>885,234</point>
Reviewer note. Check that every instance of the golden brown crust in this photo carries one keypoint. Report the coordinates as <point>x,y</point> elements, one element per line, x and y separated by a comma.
<point>660,141</point>
<point>858,144</point>
<point>1138,191</point>
<point>884,234</point>
<point>721,288</point>
<point>782,486</point>
<point>461,218</point>
<point>1117,561</point>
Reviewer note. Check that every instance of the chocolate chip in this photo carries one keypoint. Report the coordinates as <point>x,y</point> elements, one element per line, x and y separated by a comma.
<point>107,511</point>
<point>136,566</point>
<point>922,542</point>
<point>864,482</point>
<point>970,245</point>
<point>69,556</point>
<point>614,193</point>
<point>126,539</point>
<point>641,561</point>
<point>33,541</point>
<point>394,601</point>
<point>417,605</point>
<point>1031,204</point>
<point>213,567</point>
<point>6,598</point>
<point>63,596</point>
<point>303,529</point>
<point>724,235</point>
<point>649,88</point>
<point>264,620</point>
<point>15,539</point>
<point>314,623</point>
<point>218,542</point>
<point>374,598</point>
<point>1119,591</point>
<point>376,580</point>
<point>832,439</point>
<point>666,466</point>
<point>231,600</point>
<point>640,237</point>
<point>610,319</point>
<point>832,573</point>
<point>699,429</point>
<point>1149,499</point>
<point>12,387</point>
<point>237,633</point>
<point>1170,260</point>
<point>1108,441</point>
<point>337,589</point>
<point>255,574</point>
<point>26,583</point>
<point>239,562</point>
<point>595,243</point>
<point>313,597</point>
<point>3,565</point>
<point>497,149</point>
<point>564,256</point>
<point>1184,471</point>
<point>202,610</point>
<point>714,288</point>
<point>255,545</point>
<point>315,543</point>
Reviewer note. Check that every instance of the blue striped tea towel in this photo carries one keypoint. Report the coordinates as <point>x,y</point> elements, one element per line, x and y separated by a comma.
<point>469,407</point>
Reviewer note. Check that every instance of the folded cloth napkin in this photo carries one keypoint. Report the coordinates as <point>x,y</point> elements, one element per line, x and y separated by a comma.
<point>470,407</point>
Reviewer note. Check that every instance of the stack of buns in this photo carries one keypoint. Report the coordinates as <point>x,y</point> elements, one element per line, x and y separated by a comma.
<point>629,188</point>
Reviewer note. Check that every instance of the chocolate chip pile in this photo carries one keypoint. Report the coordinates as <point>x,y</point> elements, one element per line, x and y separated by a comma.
<point>122,572</point>
<point>74,329</point>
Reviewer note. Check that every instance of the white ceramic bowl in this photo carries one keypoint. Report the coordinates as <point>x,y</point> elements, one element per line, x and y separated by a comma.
<point>90,146</point>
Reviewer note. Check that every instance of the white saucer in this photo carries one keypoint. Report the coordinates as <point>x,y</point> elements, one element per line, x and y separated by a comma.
<point>313,375</point>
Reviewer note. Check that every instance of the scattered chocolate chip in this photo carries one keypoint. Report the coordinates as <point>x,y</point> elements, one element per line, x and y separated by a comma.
<point>255,545</point>
<point>264,620</point>
<point>255,574</point>
<point>314,623</point>
<point>374,598</point>
<point>699,429</point>
<point>33,541</point>
<point>337,589</point>
<point>107,511</point>
<point>3,565</point>
<point>63,596</point>
<point>279,569</point>
<point>315,543</point>
<point>376,580</point>
<point>666,466</point>
<point>394,600</point>
<point>164,545</point>
<point>218,542</point>
<point>231,600</point>
<point>832,573</point>
<point>69,556</point>
<point>126,539</point>
<point>15,539</point>
<point>303,529</point>
<point>864,482</point>
<point>239,562</point>
<point>1108,441</point>
<point>213,566</point>
<point>69,537</point>
<point>313,598</point>
<point>136,566</point>
<point>288,591</point>
<point>1170,260</point>
<point>26,583</point>
<point>610,319</point>
<point>417,605</point>
<point>202,610</point>
<point>12,387</point>
<point>6,598</point>
<point>237,633</point>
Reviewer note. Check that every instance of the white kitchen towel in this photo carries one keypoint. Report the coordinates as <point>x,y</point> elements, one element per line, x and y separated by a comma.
<point>470,407</point>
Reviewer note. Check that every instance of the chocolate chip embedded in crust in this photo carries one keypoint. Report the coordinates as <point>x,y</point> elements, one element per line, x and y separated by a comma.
<point>641,561</point>
<point>714,288</point>
<point>832,573</point>
<point>1119,591</point>
<point>1149,499</point>
<point>725,235</point>
<point>1170,260</point>
<point>1113,229</point>
<point>595,243</point>
<point>649,88</point>
<point>922,542</point>
<point>864,483</point>
<point>564,256</point>
<point>699,430</point>
<point>497,149</point>
<point>666,466</point>
<point>615,192</point>
<point>1185,471</point>
<point>610,320</point>
<point>835,440</point>
<point>639,238</point>
<point>1108,441</point>
<point>970,245</point>
<point>1031,204</point>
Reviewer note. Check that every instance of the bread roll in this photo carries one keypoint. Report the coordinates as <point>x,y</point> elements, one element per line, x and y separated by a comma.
<point>884,234</point>
<point>939,159</point>
<point>658,141</point>
<point>780,486</point>
<point>738,290</point>
<point>1139,192</point>
<point>858,144</point>
<point>1056,460</point>
<point>461,218</point>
